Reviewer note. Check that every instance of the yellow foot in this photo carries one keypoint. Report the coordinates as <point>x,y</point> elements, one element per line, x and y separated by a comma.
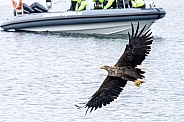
<point>138,82</point>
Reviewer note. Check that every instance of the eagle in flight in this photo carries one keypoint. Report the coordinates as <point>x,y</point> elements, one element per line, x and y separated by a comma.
<point>124,70</point>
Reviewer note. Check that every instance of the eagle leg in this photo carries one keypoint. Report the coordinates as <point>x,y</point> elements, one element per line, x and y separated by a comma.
<point>138,82</point>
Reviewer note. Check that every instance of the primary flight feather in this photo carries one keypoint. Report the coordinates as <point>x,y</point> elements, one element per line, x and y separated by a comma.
<point>124,70</point>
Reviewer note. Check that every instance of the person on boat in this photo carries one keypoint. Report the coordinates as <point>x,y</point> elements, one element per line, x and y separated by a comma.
<point>99,4</point>
<point>138,3</point>
<point>17,5</point>
<point>123,3</point>
<point>127,3</point>
<point>107,4</point>
<point>73,5</point>
<point>81,5</point>
<point>21,8</point>
<point>110,4</point>
<point>104,4</point>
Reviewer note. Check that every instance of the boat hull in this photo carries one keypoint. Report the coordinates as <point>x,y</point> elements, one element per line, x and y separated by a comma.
<point>114,21</point>
<point>97,28</point>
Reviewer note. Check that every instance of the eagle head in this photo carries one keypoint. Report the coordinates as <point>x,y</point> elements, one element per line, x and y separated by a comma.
<point>106,67</point>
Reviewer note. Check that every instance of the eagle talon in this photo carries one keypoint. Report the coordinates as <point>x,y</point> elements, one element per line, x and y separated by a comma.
<point>138,82</point>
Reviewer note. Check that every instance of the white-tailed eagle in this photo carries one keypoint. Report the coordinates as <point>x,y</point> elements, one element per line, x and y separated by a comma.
<point>124,70</point>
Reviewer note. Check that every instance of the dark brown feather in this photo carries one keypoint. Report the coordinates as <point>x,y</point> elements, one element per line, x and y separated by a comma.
<point>135,52</point>
<point>137,49</point>
<point>108,91</point>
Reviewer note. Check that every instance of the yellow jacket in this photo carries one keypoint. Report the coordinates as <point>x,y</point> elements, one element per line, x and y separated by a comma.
<point>81,4</point>
<point>109,4</point>
<point>137,3</point>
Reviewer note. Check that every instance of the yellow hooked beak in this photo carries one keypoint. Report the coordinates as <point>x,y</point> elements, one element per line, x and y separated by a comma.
<point>101,67</point>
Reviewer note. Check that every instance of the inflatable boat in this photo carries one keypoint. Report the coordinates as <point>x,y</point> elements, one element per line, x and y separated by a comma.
<point>110,21</point>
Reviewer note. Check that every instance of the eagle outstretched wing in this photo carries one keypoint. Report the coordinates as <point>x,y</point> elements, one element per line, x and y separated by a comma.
<point>135,52</point>
<point>108,91</point>
<point>137,49</point>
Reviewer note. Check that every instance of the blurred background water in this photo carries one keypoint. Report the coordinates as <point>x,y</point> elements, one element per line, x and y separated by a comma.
<point>42,75</point>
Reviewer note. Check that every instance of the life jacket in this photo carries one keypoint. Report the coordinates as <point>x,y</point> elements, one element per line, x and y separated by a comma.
<point>81,5</point>
<point>17,6</point>
<point>138,3</point>
<point>110,4</point>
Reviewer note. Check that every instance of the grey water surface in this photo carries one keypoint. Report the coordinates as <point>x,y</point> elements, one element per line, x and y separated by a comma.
<point>43,75</point>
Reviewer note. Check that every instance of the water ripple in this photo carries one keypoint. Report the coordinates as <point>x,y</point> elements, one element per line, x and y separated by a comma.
<point>43,75</point>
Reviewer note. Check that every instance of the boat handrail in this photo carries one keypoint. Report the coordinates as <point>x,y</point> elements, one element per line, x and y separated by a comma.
<point>49,4</point>
<point>57,1</point>
<point>152,5</point>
